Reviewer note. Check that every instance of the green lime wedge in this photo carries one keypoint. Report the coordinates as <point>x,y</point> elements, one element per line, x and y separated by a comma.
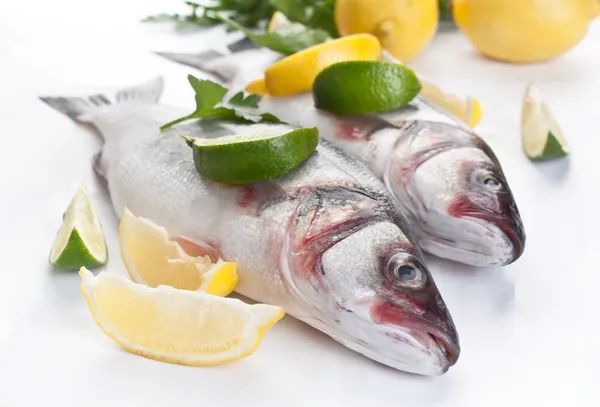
<point>364,87</point>
<point>541,135</point>
<point>253,157</point>
<point>80,240</point>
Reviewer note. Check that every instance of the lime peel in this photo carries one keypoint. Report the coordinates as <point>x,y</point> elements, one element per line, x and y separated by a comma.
<point>253,157</point>
<point>542,137</point>
<point>365,87</point>
<point>80,239</point>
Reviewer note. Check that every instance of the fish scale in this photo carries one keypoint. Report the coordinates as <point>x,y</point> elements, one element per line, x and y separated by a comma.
<point>403,148</point>
<point>324,241</point>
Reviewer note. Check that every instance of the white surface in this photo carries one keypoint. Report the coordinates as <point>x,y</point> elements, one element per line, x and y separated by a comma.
<point>529,332</point>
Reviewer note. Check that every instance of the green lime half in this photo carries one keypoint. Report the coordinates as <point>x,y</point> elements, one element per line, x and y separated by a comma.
<point>364,87</point>
<point>253,157</point>
<point>541,135</point>
<point>80,240</point>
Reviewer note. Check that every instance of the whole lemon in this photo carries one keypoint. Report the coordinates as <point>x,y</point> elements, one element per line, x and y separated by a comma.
<point>524,31</point>
<point>404,27</point>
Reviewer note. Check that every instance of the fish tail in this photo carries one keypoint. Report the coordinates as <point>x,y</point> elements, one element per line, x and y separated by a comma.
<point>202,61</point>
<point>78,108</point>
<point>237,65</point>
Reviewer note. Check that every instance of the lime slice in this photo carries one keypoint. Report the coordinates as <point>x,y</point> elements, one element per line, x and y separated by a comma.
<point>80,240</point>
<point>364,87</point>
<point>253,157</point>
<point>541,135</point>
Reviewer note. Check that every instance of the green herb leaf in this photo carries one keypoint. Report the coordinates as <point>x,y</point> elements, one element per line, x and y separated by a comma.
<point>247,12</point>
<point>209,105</point>
<point>311,13</point>
<point>249,101</point>
<point>287,39</point>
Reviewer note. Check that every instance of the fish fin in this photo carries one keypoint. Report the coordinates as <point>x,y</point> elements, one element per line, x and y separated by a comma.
<point>199,60</point>
<point>242,45</point>
<point>238,67</point>
<point>254,197</point>
<point>79,108</point>
<point>197,248</point>
<point>358,128</point>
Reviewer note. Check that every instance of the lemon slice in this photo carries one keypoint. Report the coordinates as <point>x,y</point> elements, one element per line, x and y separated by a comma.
<point>176,326</point>
<point>297,72</point>
<point>80,239</point>
<point>152,259</point>
<point>541,135</point>
<point>468,109</point>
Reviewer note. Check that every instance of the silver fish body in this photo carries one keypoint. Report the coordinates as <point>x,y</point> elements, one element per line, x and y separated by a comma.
<point>447,179</point>
<point>325,241</point>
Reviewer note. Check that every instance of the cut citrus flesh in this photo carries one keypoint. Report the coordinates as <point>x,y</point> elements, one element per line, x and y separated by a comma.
<point>365,87</point>
<point>80,239</point>
<point>264,153</point>
<point>541,135</point>
<point>176,326</point>
<point>297,72</point>
<point>467,109</point>
<point>277,20</point>
<point>151,258</point>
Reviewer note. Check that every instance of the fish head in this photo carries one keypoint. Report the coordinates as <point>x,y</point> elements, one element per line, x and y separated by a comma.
<point>364,279</point>
<point>453,185</point>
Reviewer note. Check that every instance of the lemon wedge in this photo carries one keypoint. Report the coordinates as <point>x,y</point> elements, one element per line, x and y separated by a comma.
<point>297,72</point>
<point>152,259</point>
<point>468,109</point>
<point>257,87</point>
<point>176,326</point>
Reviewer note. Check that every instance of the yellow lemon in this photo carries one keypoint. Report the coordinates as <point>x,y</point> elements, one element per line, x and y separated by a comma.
<point>176,326</point>
<point>523,31</point>
<point>404,27</point>
<point>297,72</point>
<point>152,259</point>
<point>468,108</point>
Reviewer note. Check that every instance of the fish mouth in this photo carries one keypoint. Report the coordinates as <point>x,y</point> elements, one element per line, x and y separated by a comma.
<point>509,226</point>
<point>500,238</point>
<point>404,348</point>
<point>401,339</point>
<point>450,351</point>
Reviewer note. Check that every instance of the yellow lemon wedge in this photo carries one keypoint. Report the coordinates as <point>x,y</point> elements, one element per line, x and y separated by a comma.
<point>296,73</point>
<point>468,109</point>
<point>257,87</point>
<point>404,27</point>
<point>176,326</point>
<point>152,259</point>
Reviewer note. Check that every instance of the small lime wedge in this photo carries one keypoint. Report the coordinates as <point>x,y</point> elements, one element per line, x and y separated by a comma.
<point>257,156</point>
<point>364,87</point>
<point>541,135</point>
<point>80,240</point>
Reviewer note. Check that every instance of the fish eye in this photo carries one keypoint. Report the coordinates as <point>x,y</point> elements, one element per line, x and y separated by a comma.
<point>406,271</point>
<point>492,182</point>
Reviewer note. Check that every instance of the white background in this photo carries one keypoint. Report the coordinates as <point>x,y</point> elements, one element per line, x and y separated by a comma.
<point>529,332</point>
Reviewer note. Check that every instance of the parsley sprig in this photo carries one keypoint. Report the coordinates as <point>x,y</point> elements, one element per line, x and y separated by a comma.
<point>209,97</point>
<point>287,39</point>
